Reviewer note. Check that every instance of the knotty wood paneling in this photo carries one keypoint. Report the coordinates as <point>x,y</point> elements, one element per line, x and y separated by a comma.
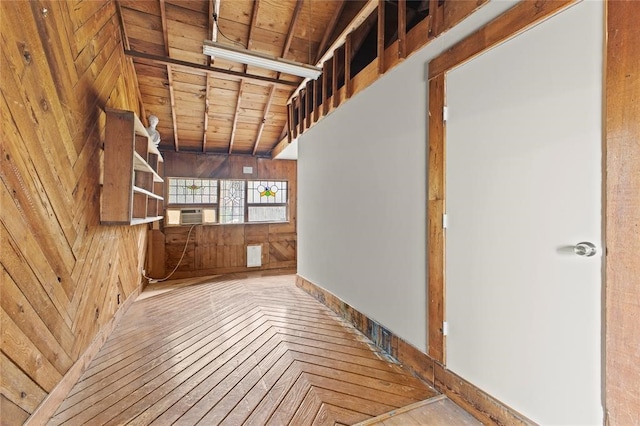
<point>218,249</point>
<point>64,276</point>
<point>622,210</point>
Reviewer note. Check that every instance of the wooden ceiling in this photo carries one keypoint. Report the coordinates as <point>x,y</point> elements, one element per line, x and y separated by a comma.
<point>220,106</point>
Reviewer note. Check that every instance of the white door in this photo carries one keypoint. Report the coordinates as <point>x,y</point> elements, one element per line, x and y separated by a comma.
<point>523,179</point>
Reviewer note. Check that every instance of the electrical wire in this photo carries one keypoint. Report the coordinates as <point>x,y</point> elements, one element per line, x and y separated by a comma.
<point>186,244</point>
<point>215,19</point>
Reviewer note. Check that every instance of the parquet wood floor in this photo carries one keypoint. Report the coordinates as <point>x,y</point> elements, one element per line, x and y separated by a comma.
<point>236,351</point>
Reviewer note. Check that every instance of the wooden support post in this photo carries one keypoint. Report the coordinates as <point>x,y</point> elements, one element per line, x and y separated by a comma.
<point>302,111</point>
<point>402,29</point>
<point>317,99</point>
<point>296,116</point>
<point>433,5</point>
<point>348,53</point>
<point>436,208</point>
<point>309,108</point>
<point>381,5</point>
<point>325,86</point>
<point>334,80</point>
<point>337,58</point>
<point>290,123</point>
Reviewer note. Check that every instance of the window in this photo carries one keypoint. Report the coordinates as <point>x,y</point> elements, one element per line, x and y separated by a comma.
<point>267,201</point>
<point>192,200</point>
<point>232,200</point>
<point>193,191</point>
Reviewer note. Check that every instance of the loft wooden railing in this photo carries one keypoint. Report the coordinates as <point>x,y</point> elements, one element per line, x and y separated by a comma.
<point>314,99</point>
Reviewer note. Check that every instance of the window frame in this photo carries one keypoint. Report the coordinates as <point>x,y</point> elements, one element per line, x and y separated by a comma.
<point>218,204</point>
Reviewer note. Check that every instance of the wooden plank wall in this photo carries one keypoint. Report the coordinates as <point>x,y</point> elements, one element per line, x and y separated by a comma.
<point>622,213</point>
<point>218,249</point>
<point>64,276</point>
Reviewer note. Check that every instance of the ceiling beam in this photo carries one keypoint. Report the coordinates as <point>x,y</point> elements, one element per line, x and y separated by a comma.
<point>220,72</point>
<point>172,99</point>
<point>329,30</point>
<point>235,117</point>
<point>264,118</point>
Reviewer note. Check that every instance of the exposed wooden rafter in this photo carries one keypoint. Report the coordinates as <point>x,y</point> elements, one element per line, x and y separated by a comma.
<point>329,30</point>
<point>252,25</point>
<point>292,25</point>
<point>361,17</point>
<point>172,99</point>
<point>264,118</point>
<point>127,46</point>
<point>287,45</point>
<point>235,117</point>
<point>214,8</point>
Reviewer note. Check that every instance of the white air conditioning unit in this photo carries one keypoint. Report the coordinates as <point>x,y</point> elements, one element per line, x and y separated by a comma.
<point>190,216</point>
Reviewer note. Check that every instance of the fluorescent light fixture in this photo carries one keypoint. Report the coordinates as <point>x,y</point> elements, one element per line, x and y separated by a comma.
<point>260,60</point>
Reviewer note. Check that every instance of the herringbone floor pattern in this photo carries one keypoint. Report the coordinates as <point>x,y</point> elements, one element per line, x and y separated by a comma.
<point>237,351</point>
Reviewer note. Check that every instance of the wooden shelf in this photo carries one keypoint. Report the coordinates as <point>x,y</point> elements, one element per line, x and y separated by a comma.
<point>148,219</point>
<point>141,165</point>
<point>133,188</point>
<point>147,193</point>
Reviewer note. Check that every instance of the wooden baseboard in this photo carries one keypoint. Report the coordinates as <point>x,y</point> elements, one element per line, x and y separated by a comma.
<point>50,404</point>
<point>478,403</point>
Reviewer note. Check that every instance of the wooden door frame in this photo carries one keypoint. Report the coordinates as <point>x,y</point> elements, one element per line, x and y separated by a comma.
<point>513,22</point>
<point>620,189</point>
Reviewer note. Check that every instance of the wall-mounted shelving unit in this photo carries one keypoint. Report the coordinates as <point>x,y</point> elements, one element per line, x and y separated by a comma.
<point>133,187</point>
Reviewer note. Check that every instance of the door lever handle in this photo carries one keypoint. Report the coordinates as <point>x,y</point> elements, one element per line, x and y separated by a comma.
<point>585,249</point>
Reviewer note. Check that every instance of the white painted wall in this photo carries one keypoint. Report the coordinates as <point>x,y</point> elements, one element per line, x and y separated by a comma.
<point>362,193</point>
<point>524,138</point>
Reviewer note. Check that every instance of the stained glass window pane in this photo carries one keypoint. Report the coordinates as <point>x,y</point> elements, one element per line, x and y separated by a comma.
<point>193,191</point>
<point>267,192</point>
<point>232,199</point>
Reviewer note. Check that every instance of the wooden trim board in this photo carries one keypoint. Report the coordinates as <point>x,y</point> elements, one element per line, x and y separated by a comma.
<point>50,404</point>
<point>511,23</point>
<point>478,403</point>
<point>621,159</point>
<point>406,408</point>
